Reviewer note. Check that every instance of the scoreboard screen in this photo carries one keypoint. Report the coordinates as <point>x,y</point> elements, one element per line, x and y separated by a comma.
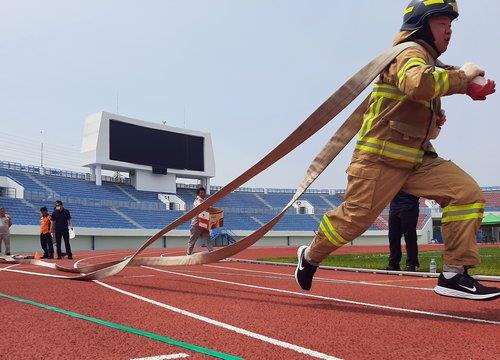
<point>157,148</point>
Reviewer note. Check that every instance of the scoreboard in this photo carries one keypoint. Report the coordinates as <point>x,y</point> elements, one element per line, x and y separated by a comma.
<point>158,148</point>
<point>155,155</point>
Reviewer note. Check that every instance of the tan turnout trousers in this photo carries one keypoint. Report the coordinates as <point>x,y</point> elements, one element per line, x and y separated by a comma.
<point>372,185</point>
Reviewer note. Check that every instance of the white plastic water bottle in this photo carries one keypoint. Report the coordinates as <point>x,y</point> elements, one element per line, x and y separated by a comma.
<point>432,266</point>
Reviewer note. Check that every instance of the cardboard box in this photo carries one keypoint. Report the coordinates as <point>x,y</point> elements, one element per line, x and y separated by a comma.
<point>211,219</point>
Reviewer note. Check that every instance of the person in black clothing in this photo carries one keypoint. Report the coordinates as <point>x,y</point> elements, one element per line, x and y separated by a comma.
<point>403,218</point>
<point>61,221</point>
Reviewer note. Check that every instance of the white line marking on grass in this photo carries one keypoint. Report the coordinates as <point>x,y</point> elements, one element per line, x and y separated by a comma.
<point>352,302</point>
<point>164,357</point>
<point>229,327</point>
<point>330,280</point>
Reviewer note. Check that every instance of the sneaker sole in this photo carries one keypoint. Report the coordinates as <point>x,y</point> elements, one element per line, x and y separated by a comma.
<point>299,262</point>
<point>440,290</point>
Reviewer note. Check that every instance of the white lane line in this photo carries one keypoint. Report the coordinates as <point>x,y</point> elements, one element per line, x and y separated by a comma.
<point>164,357</point>
<point>36,273</point>
<point>352,302</point>
<point>8,267</point>
<point>138,276</point>
<point>329,280</point>
<point>229,327</point>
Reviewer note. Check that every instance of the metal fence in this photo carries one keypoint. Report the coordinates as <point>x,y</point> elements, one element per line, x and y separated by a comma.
<point>8,165</point>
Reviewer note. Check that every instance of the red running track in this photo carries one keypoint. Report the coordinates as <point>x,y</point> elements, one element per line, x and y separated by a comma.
<point>249,311</point>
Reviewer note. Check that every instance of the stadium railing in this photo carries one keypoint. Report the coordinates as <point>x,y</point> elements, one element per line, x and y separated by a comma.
<point>46,196</point>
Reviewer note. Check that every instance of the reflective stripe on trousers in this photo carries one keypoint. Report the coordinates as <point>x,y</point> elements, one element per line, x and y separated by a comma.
<point>462,212</point>
<point>327,229</point>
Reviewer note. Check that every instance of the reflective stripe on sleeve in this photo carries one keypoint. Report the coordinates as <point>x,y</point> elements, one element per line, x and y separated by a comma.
<point>441,82</point>
<point>462,212</point>
<point>413,62</point>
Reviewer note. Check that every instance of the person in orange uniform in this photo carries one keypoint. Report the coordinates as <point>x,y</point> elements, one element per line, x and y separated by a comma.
<point>45,237</point>
<point>394,153</point>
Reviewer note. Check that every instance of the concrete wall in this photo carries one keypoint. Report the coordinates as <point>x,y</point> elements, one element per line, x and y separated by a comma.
<point>145,180</point>
<point>6,182</point>
<point>26,239</point>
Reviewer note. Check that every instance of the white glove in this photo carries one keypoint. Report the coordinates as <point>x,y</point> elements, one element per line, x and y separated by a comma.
<point>471,70</point>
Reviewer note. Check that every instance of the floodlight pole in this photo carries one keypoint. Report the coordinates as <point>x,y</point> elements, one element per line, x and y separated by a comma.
<point>41,148</point>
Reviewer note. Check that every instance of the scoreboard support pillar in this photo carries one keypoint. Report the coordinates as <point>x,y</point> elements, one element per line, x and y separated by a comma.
<point>98,172</point>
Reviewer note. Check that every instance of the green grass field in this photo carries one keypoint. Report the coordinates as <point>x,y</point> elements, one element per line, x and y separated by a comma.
<point>490,261</point>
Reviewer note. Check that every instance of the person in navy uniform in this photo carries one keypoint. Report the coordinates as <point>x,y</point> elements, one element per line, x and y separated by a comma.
<point>403,218</point>
<point>60,224</point>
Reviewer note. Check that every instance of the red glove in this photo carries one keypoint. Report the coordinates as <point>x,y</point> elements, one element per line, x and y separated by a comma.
<point>441,119</point>
<point>479,92</point>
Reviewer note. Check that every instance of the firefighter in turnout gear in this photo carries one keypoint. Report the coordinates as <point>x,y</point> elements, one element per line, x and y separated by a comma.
<point>393,153</point>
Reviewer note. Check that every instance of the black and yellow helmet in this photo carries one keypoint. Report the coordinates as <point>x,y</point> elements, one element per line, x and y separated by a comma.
<point>419,10</point>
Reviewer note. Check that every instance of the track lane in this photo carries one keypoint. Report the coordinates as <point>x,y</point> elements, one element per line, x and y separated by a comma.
<point>98,302</point>
<point>355,289</point>
<point>331,327</point>
<point>265,313</point>
<point>45,334</point>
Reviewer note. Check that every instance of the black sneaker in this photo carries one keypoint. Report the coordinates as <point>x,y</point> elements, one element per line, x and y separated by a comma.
<point>70,257</point>
<point>410,268</point>
<point>465,286</point>
<point>304,272</point>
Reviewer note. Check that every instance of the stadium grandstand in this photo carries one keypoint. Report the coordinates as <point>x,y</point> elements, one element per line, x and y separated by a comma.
<point>122,211</point>
<point>116,205</point>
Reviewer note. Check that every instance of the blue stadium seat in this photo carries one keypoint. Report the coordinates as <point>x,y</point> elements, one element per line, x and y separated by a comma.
<point>21,213</point>
<point>23,179</point>
<point>154,219</point>
<point>244,210</point>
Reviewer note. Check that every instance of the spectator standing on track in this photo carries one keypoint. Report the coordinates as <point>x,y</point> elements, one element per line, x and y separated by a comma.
<point>196,231</point>
<point>394,153</point>
<point>5,224</point>
<point>60,224</point>
<point>45,237</point>
<point>403,218</point>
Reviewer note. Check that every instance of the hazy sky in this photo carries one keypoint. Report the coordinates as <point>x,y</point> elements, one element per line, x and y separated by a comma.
<point>248,72</point>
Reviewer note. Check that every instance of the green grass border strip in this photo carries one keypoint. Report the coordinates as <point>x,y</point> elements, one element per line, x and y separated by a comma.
<point>128,329</point>
<point>361,270</point>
